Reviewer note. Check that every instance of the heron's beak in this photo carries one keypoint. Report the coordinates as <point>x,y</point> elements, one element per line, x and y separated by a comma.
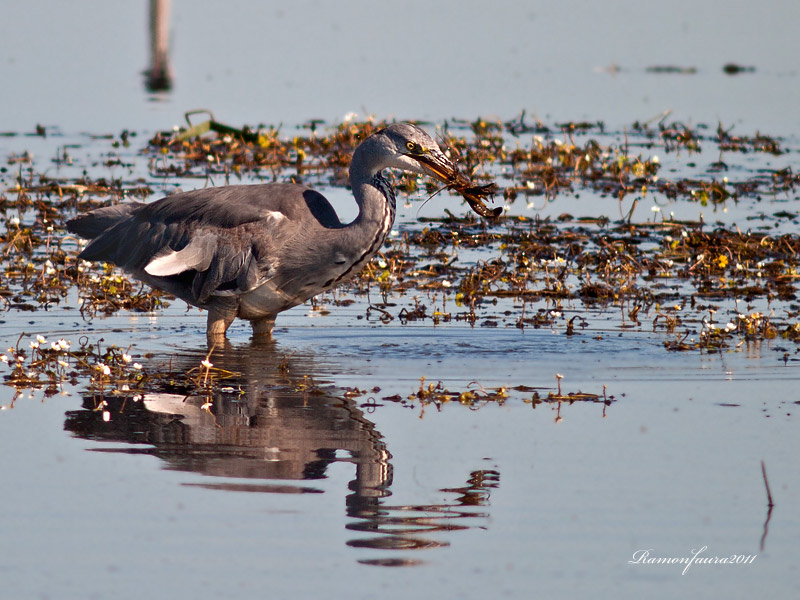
<point>438,165</point>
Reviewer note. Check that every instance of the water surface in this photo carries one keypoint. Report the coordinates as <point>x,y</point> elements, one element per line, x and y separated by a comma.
<point>315,473</point>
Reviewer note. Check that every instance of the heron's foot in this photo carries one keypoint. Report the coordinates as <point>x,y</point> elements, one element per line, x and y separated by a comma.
<point>262,328</point>
<point>216,341</point>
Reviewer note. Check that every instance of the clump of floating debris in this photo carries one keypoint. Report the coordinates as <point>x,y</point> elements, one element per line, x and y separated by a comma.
<point>475,396</point>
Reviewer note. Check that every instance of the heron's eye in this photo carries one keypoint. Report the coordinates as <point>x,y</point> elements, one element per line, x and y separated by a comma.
<point>414,148</point>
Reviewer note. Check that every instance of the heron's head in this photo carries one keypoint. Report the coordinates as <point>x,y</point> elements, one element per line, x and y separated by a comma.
<point>407,147</point>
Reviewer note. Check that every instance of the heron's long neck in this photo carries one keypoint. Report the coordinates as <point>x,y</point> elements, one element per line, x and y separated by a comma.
<point>376,203</point>
<point>372,192</point>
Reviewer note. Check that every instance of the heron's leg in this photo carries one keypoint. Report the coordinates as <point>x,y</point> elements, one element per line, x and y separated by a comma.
<point>263,327</point>
<point>219,319</point>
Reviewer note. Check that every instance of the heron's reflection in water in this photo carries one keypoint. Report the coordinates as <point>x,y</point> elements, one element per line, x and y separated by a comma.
<point>276,428</point>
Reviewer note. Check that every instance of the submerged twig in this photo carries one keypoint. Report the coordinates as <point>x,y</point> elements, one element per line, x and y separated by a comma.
<point>770,506</point>
<point>770,503</point>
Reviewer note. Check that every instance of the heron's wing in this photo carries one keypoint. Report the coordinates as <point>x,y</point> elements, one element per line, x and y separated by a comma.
<point>213,241</point>
<point>236,205</point>
<point>228,250</point>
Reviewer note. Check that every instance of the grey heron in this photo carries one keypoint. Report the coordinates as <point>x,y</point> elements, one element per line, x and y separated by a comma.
<point>252,251</point>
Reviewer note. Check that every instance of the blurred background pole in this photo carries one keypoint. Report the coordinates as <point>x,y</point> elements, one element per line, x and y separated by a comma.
<point>159,75</point>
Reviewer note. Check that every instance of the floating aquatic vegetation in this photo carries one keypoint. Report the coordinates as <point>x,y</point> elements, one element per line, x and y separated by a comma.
<point>49,365</point>
<point>518,271</point>
<point>475,395</point>
<point>36,363</point>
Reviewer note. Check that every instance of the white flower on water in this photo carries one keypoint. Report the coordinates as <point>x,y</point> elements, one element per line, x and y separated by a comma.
<point>447,284</point>
<point>126,358</point>
<point>207,364</point>
<point>14,221</point>
<point>137,366</point>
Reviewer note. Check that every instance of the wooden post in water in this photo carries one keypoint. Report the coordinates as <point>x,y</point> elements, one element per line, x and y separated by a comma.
<point>159,75</point>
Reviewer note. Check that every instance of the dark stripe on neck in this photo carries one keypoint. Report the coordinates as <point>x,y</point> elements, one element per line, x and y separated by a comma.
<point>387,218</point>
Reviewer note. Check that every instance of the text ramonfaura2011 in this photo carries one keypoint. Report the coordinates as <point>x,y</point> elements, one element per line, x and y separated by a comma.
<point>646,557</point>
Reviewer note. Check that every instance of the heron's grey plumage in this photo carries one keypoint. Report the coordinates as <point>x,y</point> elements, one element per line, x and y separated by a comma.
<point>252,251</point>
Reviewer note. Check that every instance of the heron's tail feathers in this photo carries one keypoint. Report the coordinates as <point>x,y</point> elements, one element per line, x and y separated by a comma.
<point>94,223</point>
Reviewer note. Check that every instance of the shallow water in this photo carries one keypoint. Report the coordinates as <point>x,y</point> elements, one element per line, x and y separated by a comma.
<point>504,499</point>
<point>319,470</point>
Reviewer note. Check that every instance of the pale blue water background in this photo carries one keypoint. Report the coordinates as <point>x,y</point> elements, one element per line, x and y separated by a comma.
<point>78,65</point>
<point>669,468</point>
